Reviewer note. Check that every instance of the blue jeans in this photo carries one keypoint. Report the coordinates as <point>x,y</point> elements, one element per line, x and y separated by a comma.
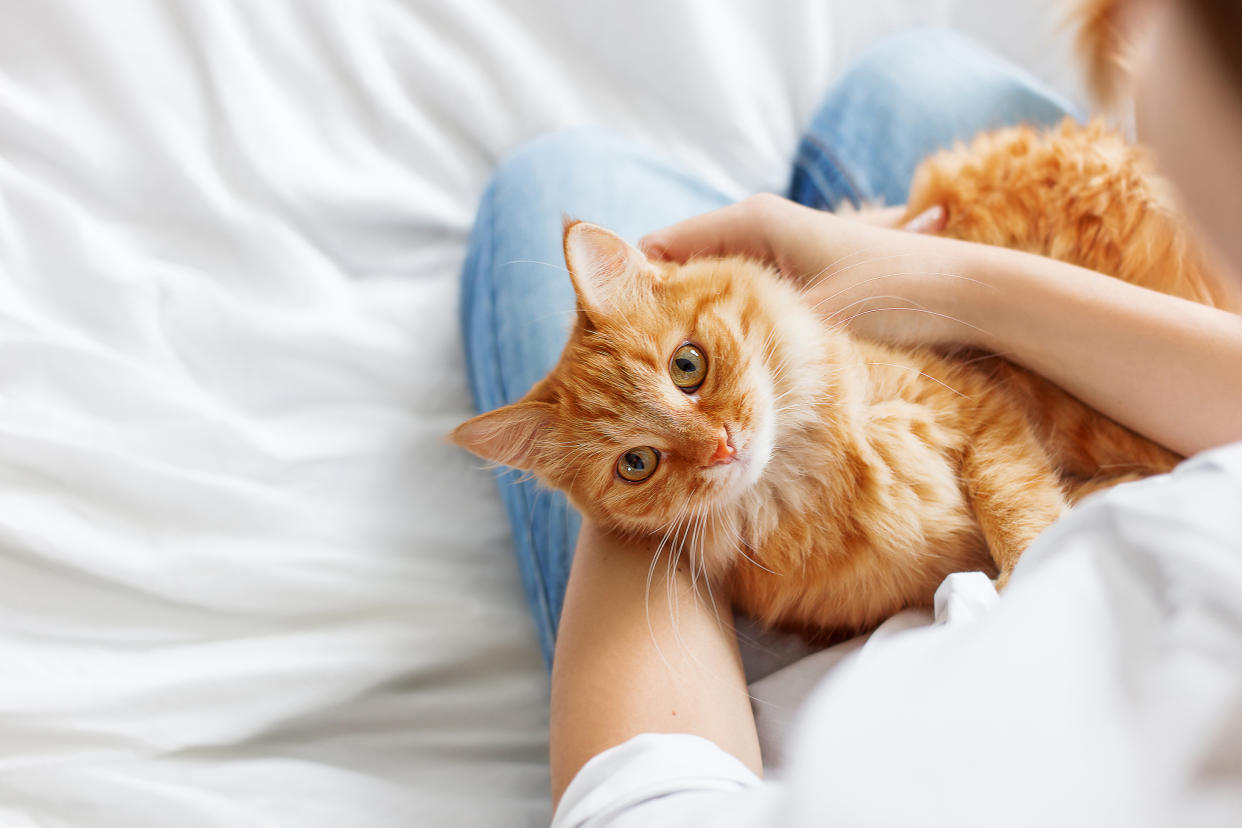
<point>909,95</point>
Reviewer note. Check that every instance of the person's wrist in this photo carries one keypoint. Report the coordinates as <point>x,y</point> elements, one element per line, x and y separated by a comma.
<point>975,299</point>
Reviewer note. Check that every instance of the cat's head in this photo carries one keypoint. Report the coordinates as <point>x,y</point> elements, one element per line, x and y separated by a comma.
<point>665,403</point>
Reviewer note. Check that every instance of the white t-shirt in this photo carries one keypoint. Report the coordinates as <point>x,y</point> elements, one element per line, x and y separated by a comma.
<point>1104,688</point>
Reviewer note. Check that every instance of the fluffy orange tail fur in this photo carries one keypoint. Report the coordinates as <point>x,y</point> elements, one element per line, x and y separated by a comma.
<point>1083,195</point>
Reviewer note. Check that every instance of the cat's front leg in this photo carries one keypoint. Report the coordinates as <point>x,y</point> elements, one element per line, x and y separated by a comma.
<point>1014,491</point>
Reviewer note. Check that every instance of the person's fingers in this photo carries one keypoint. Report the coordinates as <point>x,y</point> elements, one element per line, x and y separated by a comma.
<point>738,229</point>
<point>931,220</point>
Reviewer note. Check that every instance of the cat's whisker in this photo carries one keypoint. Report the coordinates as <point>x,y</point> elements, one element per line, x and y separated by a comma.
<point>671,567</point>
<point>882,276</point>
<point>721,524</point>
<point>826,272</point>
<point>834,326</point>
<point>512,475</point>
<point>698,253</point>
<point>811,281</point>
<point>689,551</point>
<point>685,544</point>
<point>770,340</point>
<point>706,577</point>
<point>693,566</point>
<point>927,311</point>
<point>831,271</point>
<point>561,268</point>
<point>718,519</point>
<point>863,263</point>
<point>712,600</point>
<point>777,378</point>
<point>702,545</point>
<point>756,563</point>
<point>696,536</point>
<point>696,528</point>
<point>923,374</point>
<point>856,285</point>
<point>987,356</point>
<point>767,340</point>
<point>737,541</point>
<point>655,559</point>
<point>779,373</point>
<point>786,407</point>
<point>574,480</point>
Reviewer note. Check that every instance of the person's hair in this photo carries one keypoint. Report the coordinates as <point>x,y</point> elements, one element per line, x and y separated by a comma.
<point>1220,22</point>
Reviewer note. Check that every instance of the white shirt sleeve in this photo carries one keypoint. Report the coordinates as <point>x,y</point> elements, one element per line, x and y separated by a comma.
<point>660,780</point>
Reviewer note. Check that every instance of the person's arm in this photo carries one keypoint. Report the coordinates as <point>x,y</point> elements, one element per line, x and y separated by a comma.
<point>639,651</point>
<point>1163,366</point>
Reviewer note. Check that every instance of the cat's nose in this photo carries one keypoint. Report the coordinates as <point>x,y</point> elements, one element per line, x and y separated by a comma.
<point>724,449</point>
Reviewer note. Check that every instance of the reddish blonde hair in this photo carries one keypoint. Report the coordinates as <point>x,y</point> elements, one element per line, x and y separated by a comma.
<point>1220,24</point>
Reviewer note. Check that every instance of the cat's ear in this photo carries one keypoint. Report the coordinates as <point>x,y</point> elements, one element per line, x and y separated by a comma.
<point>513,435</point>
<point>606,269</point>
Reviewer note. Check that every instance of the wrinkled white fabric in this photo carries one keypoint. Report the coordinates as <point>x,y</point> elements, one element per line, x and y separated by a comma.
<point>243,580</point>
<point>1104,688</point>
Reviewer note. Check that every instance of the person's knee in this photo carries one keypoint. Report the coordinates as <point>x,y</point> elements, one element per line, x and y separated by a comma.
<point>908,95</point>
<point>914,52</point>
<point>591,174</point>
<point>532,188</point>
<point>528,191</point>
<point>937,70</point>
<point>553,159</point>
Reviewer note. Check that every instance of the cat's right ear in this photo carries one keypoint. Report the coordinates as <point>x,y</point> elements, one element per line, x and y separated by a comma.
<point>512,435</point>
<point>606,269</point>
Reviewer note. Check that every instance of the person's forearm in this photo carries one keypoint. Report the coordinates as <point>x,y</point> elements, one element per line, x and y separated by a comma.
<point>633,657</point>
<point>1168,368</point>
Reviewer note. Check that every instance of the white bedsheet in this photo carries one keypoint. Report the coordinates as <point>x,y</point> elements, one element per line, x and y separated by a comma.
<point>243,581</point>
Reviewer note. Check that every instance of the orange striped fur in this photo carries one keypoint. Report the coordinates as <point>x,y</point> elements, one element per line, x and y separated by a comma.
<point>863,474</point>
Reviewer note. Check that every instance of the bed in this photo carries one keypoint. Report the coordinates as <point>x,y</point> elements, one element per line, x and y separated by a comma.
<point>243,578</point>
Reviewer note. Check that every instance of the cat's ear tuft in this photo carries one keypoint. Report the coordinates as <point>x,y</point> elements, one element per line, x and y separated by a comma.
<point>606,269</point>
<point>514,435</point>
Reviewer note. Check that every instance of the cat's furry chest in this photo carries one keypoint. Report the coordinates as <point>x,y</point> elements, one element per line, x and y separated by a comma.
<point>862,510</point>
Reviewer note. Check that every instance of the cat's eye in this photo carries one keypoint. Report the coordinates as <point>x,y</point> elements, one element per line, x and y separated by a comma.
<point>637,464</point>
<point>688,367</point>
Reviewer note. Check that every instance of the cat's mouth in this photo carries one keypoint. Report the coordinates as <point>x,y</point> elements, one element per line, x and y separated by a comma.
<point>725,474</point>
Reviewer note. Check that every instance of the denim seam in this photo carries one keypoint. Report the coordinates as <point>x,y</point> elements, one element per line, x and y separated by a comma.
<point>546,631</point>
<point>807,165</point>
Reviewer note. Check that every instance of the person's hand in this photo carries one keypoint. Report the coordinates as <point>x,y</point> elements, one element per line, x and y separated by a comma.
<point>897,285</point>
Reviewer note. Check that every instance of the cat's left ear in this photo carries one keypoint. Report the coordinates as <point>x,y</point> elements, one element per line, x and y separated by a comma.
<point>513,434</point>
<point>607,271</point>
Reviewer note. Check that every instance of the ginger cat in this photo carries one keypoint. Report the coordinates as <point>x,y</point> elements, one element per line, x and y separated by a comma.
<point>834,480</point>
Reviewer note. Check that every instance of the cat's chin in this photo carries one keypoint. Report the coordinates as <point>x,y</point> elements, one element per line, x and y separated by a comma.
<point>738,477</point>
